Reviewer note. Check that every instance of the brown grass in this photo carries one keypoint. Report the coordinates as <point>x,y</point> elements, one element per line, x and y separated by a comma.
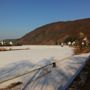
<point>3,49</point>
<point>79,50</point>
<point>10,49</point>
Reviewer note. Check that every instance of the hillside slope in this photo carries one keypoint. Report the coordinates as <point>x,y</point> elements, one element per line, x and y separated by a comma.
<point>57,32</point>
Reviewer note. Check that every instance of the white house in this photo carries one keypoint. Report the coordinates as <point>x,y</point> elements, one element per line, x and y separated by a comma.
<point>2,43</point>
<point>11,43</point>
<point>73,43</point>
<point>69,43</point>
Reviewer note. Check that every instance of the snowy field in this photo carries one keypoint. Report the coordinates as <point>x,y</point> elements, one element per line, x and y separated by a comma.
<point>34,54</point>
<point>18,62</point>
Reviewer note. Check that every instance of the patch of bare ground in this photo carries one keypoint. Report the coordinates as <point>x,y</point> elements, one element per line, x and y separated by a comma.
<point>13,86</point>
<point>82,81</point>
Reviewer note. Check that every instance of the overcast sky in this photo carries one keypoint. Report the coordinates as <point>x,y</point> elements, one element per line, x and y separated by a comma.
<point>18,17</point>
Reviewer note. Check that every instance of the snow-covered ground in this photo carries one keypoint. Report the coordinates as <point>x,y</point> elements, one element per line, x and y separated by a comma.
<point>15,63</point>
<point>34,54</point>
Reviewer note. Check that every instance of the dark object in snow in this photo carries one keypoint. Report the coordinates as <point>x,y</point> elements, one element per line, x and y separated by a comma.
<point>54,64</point>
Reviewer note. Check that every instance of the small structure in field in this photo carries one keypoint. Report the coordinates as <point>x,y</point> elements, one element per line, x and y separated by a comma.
<point>73,43</point>
<point>2,43</point>
<point>11,43</point>
<point>62,44</point>
<point>69,43</point>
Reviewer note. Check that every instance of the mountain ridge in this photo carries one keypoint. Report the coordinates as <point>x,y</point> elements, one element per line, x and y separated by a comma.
<point>51,33</point>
